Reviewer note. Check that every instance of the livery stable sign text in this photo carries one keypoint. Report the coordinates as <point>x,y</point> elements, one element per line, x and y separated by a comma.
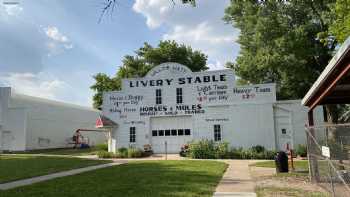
<point>180,81</point>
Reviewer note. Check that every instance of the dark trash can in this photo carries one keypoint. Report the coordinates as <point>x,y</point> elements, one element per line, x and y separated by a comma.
<point>281,161</point>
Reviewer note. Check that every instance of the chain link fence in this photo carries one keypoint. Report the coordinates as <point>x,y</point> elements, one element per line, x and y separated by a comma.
<point>329,157</point>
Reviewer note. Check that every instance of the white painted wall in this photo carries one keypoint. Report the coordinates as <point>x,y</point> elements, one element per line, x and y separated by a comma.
<point>246,114</point>
<point>299,118</point>
<point>37,123</point>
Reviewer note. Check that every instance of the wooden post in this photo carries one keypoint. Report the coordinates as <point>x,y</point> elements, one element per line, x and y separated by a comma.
<point>166,150</point>
<point>311,146</point>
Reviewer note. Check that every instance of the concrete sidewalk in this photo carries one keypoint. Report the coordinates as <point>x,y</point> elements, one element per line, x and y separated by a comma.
<point>236,180</point>
<point>37,179</point>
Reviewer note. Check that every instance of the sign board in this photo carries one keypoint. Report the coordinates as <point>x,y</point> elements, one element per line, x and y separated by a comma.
<point>255,93</point>
<point>99,123</point>
<point>326,152</point>
<point>137,99</point>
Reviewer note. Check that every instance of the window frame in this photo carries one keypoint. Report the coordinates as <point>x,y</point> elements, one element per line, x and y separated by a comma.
<point>179,95</point>
<point>284,131</point>
<point>217,133</point>
<point>132,134</point>
<point>158,96</point>
<point>154,133</point>
<point>172,131</point>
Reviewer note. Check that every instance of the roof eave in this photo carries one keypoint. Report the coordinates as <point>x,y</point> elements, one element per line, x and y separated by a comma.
<point>335,61</point>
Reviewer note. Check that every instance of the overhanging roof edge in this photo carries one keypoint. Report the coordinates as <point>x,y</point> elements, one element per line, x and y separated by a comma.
<point>337,58</point>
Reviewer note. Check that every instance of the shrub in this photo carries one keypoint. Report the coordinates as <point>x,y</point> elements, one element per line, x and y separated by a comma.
<point>236,153</point>
<point>222,150</point>
<point>102,147</point>
<point>202,149</point>
<point>270,154</point>
<point>134,152</point>
<point>207,149</point>
<point>105,154</point>
<point>258,149</point>
<point>122,152</point>
<point>301,150</point>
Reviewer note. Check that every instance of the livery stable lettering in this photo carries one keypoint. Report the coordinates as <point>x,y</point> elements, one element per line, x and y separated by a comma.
<point>180,81</point>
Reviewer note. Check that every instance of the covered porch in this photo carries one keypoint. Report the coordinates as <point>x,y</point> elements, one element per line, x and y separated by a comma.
<point>329,144</point>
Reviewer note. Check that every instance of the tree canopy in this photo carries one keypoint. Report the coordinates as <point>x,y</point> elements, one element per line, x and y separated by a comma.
<point>279,42</point>
<point>340,28</point>
<point>145,58</point>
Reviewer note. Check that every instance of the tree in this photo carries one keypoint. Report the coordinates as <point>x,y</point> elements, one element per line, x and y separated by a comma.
<point>145,59</point>
<point>279,43</point>
<point>340,28</point>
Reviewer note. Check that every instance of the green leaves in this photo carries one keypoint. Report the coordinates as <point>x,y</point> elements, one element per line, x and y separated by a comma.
<point>279,42</point>
<point>145,59</point>
<point>341,26</point>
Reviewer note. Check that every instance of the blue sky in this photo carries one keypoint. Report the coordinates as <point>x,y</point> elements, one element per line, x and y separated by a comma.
<point>52,49</point>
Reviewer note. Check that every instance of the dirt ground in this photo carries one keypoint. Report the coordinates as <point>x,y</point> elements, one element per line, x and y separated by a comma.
<point>270,184</point>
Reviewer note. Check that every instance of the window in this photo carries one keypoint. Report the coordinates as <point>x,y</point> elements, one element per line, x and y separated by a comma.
<point>217,132</point>
<point>284,131</point>
<point>158,96</point>
<point>161,133</point>
<point>167,132</point>
<point>178,95</point>
<point>154,132</point>
<point>187,131</point>
<point>132,134</point>
<point>173,132</point>
<point>180,132</point>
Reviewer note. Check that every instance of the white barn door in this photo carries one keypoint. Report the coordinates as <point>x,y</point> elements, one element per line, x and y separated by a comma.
<point>174,131</point>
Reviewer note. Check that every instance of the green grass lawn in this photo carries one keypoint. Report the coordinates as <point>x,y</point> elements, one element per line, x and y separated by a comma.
<point>66,151</point>
<point>185,178</point>
<point>13,167</point>
<point>277,191</point>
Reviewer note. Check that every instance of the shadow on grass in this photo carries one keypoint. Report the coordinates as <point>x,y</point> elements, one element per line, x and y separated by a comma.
<point>146,178</point>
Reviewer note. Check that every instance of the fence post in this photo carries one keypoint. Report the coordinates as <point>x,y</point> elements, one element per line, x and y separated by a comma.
<point>166,150</point>
<point>313,165</point>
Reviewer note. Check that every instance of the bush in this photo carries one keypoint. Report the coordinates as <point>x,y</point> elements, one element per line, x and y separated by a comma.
<point>301,150</point>
<point>102,147</point>
<point>122,152</point>
<point>258,149</point>
<point>202,149</point>
<point>222,150</point>
<point>134,153</point>
<point>207,149</point>
<point>105,154</point>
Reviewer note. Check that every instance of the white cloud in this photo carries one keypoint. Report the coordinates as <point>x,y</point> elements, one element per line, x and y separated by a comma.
<point>201,27</point>
<point>39,85</point>
<point>10,9</point>
<point>57,41</point>
<point>54,34</point>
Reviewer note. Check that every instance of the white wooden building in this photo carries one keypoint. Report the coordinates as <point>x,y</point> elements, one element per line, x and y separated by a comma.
<point>173,105</point>
<point>28,123</point>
